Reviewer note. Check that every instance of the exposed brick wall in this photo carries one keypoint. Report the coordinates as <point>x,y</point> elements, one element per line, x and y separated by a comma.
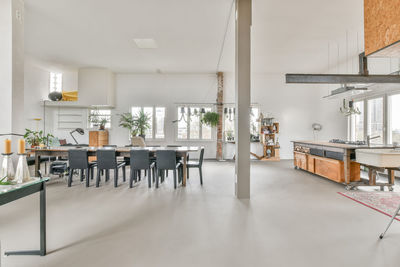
<point>220,111</point>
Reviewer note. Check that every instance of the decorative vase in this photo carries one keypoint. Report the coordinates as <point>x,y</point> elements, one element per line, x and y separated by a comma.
<point>22,173</point>
<point>55,96</point>
<point>7,167</point>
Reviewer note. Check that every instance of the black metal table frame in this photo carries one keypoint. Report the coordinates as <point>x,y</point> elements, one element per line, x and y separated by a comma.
<point>23,192</point>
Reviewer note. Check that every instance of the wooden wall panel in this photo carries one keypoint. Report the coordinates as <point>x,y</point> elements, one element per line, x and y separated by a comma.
<point>381,26</point>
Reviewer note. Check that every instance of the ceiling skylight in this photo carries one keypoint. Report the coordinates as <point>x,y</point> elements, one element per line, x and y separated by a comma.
<point>145,43</point>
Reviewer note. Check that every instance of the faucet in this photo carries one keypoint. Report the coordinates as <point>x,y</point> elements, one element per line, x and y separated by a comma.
<point>369,138</point>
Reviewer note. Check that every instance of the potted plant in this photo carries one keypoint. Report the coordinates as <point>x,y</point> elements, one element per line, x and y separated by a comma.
<point>37,138</point>
<point>210,119</point>
<point>127,121</point>
<point>142,123</point>
<point>103,123</point>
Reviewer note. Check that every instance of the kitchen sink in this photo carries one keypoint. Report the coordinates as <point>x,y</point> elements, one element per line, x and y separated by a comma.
<point>385,158</point>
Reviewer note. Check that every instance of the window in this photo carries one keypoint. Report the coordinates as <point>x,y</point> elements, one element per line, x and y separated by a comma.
<point>375,119</point>
<point>229,123</point>
<point>157,118</point>
<point>394,121</point>
<point>189,124</point>
<point>357,123</point>
<point>97,115</point>
<point>55,82</point>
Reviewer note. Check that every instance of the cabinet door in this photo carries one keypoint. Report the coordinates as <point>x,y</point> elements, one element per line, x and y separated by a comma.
<point>310,163</point>
<point>300,160</point>
<point>329,168</point>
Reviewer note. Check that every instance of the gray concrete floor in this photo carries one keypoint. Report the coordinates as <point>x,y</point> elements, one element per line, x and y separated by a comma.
<point>293,219</point>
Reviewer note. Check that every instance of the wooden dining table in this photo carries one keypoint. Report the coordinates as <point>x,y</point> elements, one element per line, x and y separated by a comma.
<point>62,151</point>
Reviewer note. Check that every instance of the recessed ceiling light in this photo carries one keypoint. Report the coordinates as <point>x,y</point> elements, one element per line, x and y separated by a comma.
<point>145,43</point>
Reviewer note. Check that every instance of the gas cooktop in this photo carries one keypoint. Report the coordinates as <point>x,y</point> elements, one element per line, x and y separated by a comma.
<point>356,143</point>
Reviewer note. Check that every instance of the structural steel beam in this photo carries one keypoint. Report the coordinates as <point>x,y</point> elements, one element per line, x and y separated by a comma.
<point>340,78</point>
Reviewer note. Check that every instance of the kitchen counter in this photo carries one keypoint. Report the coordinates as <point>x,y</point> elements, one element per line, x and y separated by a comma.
<point>329,160</point>
<point>343,146</point>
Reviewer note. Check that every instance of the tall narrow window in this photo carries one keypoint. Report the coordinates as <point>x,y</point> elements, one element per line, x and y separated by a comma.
<point>149,112</point>
<point>394,119</point>
<point>159,119</point>
<point>357,123</point>
<point>206,129</point>
<point>55,82</point>
<point>194,117</point>
<point>182,123</point>
<point>156,121</point>
<point>375,119</point>
<point>254,130</point>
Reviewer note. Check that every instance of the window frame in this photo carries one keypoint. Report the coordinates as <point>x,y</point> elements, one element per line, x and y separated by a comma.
<point>189,106</point>
<point>385,111</point>
<point>154,121</point>
<point>232,106</point>
<point>54,89</point>
<point>89,124</point>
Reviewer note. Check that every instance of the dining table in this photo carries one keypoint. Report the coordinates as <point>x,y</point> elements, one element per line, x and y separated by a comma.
<point>62,151</point>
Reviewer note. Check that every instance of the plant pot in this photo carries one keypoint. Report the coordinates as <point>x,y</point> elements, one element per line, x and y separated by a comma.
<point>143,136</point>
<point>138,141</point>
<point>102,127</point>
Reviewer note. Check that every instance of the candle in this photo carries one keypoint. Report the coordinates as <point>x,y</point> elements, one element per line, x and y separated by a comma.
<point>21,146</point>
<point>7,146</point>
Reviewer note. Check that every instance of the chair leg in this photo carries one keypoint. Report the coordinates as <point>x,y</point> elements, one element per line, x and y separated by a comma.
<point>131,179</point>
<point>107,175</point>
<point>187,172</point>
<point>145,172</point>
<point>87,177</point>
<point>139,174</point>
<point>71,173</point>
<point>123,173</point>
<point>82,175</point>
<point>116,177</point>
<point>154,175</point>
<point>201,175</point>
<point>98,177</point>
<point>149,177</point>
<point>92,173</point>
<point>175,178</point>
<point>157,177</point>
<point>166,173</point>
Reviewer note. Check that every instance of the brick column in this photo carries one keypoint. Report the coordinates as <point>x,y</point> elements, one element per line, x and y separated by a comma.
<point>220,111</point>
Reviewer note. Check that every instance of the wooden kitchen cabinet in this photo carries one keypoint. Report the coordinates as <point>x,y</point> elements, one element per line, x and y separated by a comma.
<point>300,160</point>
<point>97,139</point>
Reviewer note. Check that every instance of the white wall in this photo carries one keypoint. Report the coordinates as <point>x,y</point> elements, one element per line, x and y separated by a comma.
<point>165,91</point>
<point>36,84</point>
<point>296,107</point>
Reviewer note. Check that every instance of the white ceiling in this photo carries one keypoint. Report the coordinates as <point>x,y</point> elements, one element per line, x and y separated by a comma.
<point>288,35</point>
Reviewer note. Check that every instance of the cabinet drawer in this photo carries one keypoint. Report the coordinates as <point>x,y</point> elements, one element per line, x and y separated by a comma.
<point>329,168</point>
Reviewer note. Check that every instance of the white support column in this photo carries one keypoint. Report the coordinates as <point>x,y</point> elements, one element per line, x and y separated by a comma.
<point>242,91</point>
<point>11,69</point>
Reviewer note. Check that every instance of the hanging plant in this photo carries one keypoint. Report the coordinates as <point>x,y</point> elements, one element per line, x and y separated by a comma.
<point>210,119</point>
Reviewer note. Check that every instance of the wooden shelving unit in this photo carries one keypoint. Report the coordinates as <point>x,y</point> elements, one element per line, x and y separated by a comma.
<point>269,140</point>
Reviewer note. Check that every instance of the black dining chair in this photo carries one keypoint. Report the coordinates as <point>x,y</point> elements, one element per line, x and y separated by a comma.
<point>78,160</point>
<point>196,164</point>
<point>107,160</point>
<point>166,160</point>
<point>140,160</point>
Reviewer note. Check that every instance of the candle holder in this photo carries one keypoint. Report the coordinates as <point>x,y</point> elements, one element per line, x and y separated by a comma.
<point>22,173</point>
<point>7,167</point>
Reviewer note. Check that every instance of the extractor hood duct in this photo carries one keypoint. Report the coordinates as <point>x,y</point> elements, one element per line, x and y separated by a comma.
<point>362,78</point>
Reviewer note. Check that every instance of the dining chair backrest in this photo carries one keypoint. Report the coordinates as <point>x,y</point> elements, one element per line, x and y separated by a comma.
<point>78,158</point>
<point>201,156</point>
<point>106,159</point>
<point>140,159</point>
<point>166,159</point>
